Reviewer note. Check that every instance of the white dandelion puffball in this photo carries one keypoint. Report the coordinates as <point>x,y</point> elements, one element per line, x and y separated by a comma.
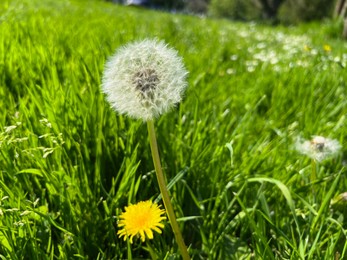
<point>318,148</point>
<point>144,79</point>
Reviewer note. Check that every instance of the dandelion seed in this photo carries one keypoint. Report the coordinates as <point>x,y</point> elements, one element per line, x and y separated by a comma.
<point>144,79</point>
<point>319,148</point>
<point>141,219</point>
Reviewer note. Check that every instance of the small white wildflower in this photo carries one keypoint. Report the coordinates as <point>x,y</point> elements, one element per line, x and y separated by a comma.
<point>318,148</point>
<point>19,223</point>
<point>144,79</point>
<point>9,128</point>
<point>45,122</point>
<point>47,151</point>
<point>234,57</point>
<point>25,212</point>
<point>230,71</point>
<point>36,202</point>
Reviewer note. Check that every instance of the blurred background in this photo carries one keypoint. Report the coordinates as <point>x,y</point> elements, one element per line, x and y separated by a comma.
<point>286,12</point>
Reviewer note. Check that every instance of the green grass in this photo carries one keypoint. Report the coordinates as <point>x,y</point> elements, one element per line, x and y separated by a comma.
<point>69,164</point>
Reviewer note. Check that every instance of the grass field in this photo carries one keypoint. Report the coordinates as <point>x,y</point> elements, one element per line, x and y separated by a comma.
<point>69,164</point>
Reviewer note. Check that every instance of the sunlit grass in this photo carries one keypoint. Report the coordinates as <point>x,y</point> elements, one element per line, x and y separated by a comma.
<point>69,164</point>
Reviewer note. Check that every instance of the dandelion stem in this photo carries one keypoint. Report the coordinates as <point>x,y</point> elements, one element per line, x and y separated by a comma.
<point>151,252</point>
<point>130,257</point>
<point>313,177</point>
<point>164,192</point>
<point>313,171</point>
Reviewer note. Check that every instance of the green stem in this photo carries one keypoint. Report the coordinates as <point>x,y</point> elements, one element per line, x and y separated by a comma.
<point>151,251</point>
<point>313,178</point>
<point>130,257</point>
<point>164,192</point>
<point>313,171</point>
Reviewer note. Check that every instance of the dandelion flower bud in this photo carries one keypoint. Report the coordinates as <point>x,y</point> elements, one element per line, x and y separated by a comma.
<point>318,148</point>
<point>144,79</point>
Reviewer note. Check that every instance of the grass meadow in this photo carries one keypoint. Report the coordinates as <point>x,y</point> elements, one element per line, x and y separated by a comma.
<point>70,164</point>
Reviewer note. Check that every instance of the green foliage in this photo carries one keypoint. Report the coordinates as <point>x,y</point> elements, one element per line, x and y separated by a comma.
<point>234,9</point>
<point>168,4</point>
<point>333,28</point>
<point>295,11</point>
<point>286,12</point>
<point>69,164</point>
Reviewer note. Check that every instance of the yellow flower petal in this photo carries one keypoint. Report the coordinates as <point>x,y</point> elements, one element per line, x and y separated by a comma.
<point>327,48</point>
<point>140,219</point>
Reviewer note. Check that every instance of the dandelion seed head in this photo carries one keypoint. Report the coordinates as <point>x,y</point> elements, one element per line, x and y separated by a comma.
<point>141,219</point>
<point>144,79</point>
<point>318,148</point>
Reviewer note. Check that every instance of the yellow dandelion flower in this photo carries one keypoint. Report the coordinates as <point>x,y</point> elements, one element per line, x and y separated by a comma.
<point>307,48</point>
<point>141,219</point>
<point>327,48</point>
